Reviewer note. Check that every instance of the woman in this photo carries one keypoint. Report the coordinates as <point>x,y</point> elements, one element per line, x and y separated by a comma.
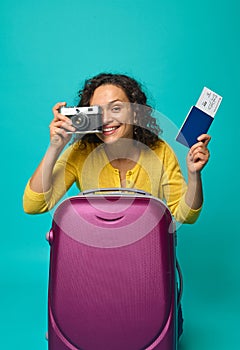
<point>128,153</point>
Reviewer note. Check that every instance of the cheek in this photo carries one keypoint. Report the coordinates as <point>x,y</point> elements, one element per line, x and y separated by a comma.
<point>129,129</point>
<point>127,118</point>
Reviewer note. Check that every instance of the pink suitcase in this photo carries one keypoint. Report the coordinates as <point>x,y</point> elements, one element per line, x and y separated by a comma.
<point>112,277</point>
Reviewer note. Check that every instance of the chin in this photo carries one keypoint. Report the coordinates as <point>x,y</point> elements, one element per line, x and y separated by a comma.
<point>110,140</point>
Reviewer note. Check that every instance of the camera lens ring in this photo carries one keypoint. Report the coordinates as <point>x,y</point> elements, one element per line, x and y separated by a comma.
<point>80,121</point>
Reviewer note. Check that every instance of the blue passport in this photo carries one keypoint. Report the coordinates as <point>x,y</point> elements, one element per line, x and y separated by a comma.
<point>196,124</point>
<point>199,118</point>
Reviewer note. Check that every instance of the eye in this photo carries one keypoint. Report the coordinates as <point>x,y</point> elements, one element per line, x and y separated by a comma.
<point>116,109</point>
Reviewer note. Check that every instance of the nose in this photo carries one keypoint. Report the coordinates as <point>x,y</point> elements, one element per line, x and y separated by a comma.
<point>106,116</point>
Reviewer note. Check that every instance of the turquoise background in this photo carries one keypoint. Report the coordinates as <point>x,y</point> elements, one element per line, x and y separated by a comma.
<point>174,48</point>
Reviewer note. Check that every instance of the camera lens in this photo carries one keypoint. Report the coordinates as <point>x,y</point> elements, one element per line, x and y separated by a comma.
<point>80,121</point>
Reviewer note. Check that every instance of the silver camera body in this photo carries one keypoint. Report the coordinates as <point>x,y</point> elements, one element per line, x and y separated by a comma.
<point>86,120</point>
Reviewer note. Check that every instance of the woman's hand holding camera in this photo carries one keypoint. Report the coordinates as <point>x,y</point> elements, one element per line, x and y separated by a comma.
<point>59,127</point>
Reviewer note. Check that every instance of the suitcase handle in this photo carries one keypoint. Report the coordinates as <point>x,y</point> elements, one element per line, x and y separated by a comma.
<point>115,190</point>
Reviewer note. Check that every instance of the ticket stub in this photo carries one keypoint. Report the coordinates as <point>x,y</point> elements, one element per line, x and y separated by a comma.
<point>209,102</point>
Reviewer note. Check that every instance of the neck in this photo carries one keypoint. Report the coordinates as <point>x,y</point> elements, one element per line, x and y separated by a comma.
<point>123,149</point>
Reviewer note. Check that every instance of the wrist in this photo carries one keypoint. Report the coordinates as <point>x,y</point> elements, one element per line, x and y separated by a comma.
<point>56,144</point>
<point>52,154</point>
<point>194,176</point>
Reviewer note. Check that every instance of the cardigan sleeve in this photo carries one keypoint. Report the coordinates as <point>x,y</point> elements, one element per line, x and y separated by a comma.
<point>174,189</point>
<point>64,175</point>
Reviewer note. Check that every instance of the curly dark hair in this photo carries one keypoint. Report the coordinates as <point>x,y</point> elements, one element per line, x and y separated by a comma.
<point>146,129</point>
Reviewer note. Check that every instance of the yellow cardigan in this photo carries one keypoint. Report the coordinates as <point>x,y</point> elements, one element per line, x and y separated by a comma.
<point>157,172</point>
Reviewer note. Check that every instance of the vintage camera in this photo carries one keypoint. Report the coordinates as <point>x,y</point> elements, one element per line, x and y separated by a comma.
<point>86,120</point>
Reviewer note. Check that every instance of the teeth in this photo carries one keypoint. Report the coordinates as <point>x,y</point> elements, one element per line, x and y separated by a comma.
<point>109,129</point>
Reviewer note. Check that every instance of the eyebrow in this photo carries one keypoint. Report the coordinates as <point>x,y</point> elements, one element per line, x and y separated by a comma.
<point>117,100</point>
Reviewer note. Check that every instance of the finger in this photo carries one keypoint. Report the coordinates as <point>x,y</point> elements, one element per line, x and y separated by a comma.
<point>61,131</point>
<point>64,119</point>
<point>60,118</point>
<point>56,108</point>
<point>200,145</point>
<point>200,149</point>
<point>199,155</point>
<point>63,124</point>
<point>59,134</point>
<point>58,105</point>
<point>204,138</point>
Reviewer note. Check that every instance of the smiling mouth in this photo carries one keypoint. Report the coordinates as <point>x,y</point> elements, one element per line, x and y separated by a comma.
<point>110,129</point>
